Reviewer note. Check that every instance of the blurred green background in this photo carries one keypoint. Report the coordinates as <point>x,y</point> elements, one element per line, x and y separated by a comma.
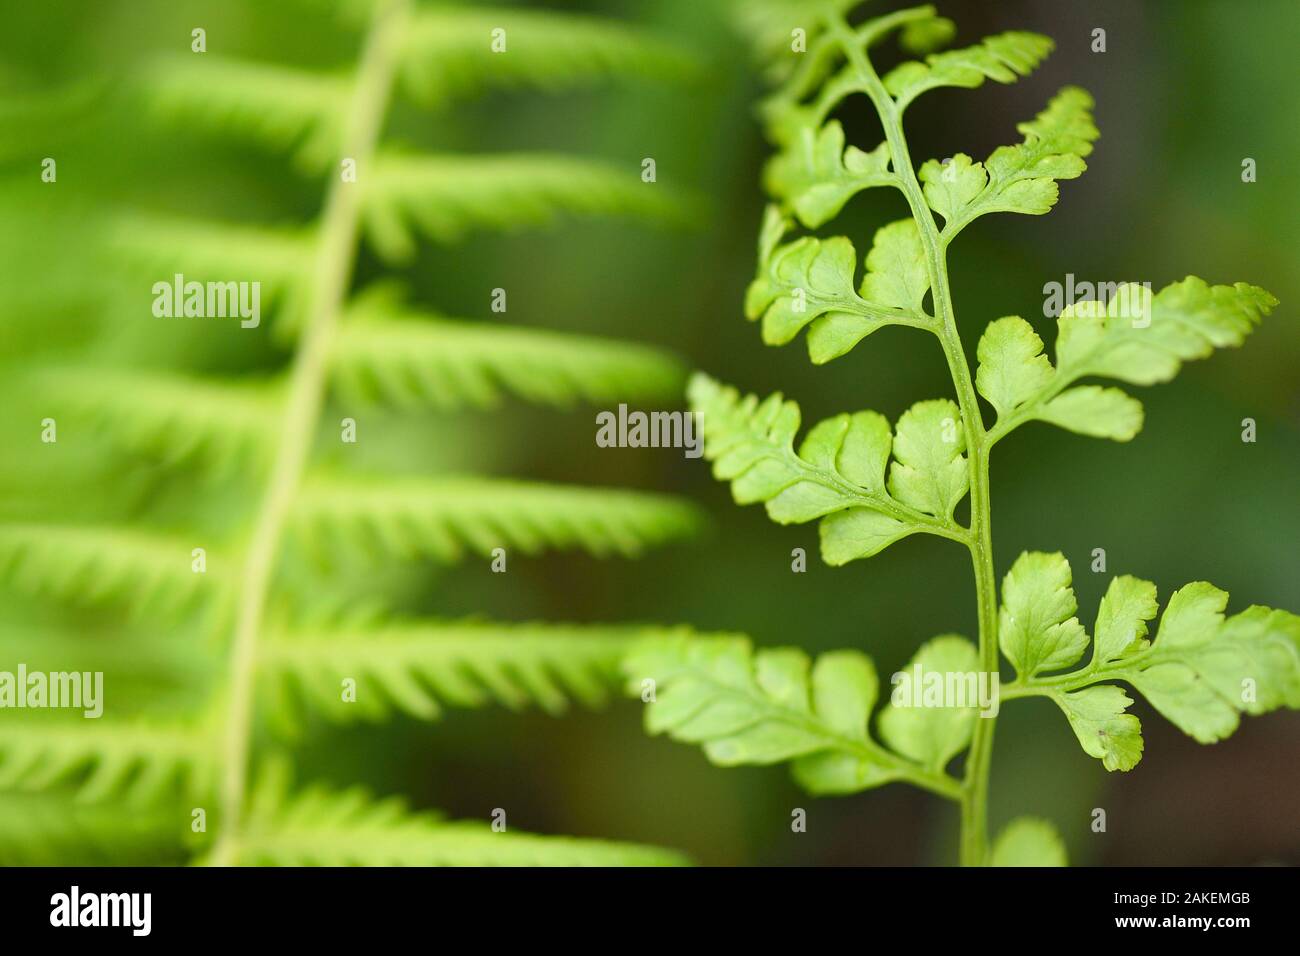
<point>1185,91</point>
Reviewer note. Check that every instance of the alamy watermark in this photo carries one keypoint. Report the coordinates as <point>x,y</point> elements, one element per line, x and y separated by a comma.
<point>958,689</point>
<point>639,429</point>
<point>208,300</point>
<point>75,908</point>
<point>76,690</point>
<point>1126,300</point>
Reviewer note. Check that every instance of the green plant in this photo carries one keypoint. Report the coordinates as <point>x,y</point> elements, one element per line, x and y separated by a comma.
<point>286,602</point>
<point>869,485</point>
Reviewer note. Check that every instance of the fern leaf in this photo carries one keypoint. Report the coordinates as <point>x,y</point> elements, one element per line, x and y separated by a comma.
<point>420,667</point>
<point>1021,178</point>
<point>1202,670</point>
<point>443,517</point>
<point>1135,337</point>
<point>285,108</point>
<point>150,573</point>
<point>449,53</point>
<point>810,282</point>
<point>443,197</point>
<point>171,417</point>
<point>838,473</point>
<point>772,706</point>
<point>1003,58</point>
<point>395,356</point>
<point>52,829</point>
<point>816,174</point>
<point>138,760</point>
<point>322,827</point>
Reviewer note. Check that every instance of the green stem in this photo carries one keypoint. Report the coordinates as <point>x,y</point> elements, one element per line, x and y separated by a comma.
<point>974,798</point>
<point>333,272</point>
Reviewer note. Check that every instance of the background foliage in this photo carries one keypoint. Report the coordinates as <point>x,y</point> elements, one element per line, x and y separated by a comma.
<point>1184,93</point>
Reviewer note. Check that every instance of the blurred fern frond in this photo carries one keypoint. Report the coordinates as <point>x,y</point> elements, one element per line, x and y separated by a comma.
<point>193,697</point>
<point>152,574</point>
<point>443,197</point>
<point>174,252</point>
<point>451,52</point>
<point>394,356</point>
<point>139,760</point>
<point>420,667</point>
<point>322,827</point>
<point>284,108</point>
<point>174,418</point>
<point>444,517</point>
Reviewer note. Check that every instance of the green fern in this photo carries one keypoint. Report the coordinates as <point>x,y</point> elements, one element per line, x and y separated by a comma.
<point>221,425</point>
<point>318,826</point>
<point>143,761</point>
<point>255,429</point>
<point>444,517</point>
<point>444,197</point>
<point>444,54</point>
<point>283,108</point>
<point>152,574</point>
<point>870,484</point>
<point>421,667</point>
<point>393,355</point>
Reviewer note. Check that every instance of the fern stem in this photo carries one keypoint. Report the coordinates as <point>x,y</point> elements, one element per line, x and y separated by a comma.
<point>974,796</point>
<point>333,271</point>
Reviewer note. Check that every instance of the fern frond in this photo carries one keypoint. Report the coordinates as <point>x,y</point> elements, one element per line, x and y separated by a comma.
<point>51,829</point>
<point>138,760</point>
<point>420,667</point>
<point>442,517</point>
<point>443,197</point>
<point>321,827</point>
<point>150,573</point>
<point>172,417</point>
<point>394,355</point>
<point>285,108</point>
<point>280,258</point>
<point>449,53</point>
